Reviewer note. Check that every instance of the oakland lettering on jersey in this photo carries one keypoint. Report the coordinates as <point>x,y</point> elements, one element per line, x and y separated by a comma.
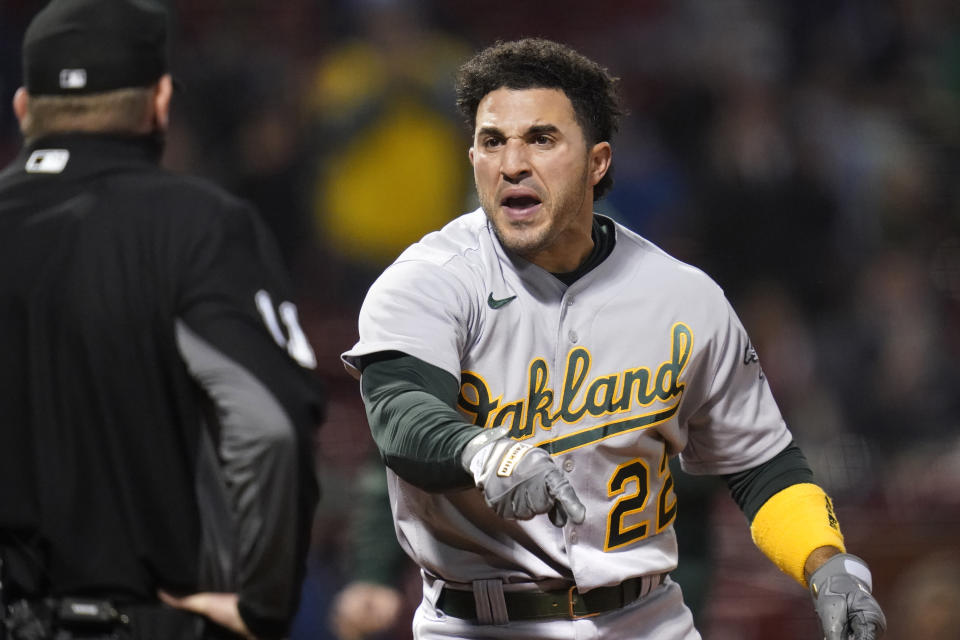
<point>580,395</point>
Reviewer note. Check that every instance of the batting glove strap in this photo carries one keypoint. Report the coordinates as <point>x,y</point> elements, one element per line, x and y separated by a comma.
<point>471,458</point>
<point>841,590</point>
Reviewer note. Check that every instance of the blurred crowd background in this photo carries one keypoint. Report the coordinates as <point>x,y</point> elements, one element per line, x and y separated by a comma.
<point>805,154</point>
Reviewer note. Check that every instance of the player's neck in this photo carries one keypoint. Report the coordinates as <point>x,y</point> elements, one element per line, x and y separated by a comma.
<point>603,242</point>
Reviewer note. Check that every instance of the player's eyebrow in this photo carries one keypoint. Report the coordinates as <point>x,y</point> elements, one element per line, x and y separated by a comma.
<point>539,129</point>
<point>535,130</point>
<point>489,131</point>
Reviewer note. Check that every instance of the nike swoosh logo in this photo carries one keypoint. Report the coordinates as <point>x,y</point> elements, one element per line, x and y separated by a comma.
<point>494,303</point>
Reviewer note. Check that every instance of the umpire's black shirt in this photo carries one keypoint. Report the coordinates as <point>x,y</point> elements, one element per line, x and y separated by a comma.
<point>146,342</point>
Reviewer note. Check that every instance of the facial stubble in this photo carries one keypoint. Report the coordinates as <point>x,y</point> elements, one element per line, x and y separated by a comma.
<point>567,203</point>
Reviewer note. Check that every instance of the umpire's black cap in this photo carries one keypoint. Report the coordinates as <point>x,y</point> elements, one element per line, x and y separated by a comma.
<point>77,47</point>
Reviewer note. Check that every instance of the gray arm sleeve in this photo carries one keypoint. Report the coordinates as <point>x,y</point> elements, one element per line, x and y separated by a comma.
<point>257,455</point>
<point>410,407</point>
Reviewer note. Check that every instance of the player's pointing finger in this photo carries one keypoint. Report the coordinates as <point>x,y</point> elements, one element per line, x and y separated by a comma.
<point>567,501</point>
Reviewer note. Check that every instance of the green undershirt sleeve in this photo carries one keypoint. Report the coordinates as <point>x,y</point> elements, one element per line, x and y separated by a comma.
<point>753,487</point>
<point>410,408</point>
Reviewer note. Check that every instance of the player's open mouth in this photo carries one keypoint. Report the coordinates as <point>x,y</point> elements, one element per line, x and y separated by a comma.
<point>520,205</point>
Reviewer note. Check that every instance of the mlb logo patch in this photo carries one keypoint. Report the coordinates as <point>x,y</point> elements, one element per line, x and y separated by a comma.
<point>47,161</point>
<point>73,78</point>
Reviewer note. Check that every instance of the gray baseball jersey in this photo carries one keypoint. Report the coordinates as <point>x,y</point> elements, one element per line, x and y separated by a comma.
<point>640,359</point>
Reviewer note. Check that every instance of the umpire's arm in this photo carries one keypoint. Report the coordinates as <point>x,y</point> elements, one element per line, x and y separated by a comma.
<point>241,342</point>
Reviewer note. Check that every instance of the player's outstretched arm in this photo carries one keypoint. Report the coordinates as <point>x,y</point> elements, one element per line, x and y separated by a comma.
<point>520,481</point>
<point>842,589</point>
<point>410,408</point>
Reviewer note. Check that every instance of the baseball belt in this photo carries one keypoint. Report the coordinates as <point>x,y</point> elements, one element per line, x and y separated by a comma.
<point>564,603</point>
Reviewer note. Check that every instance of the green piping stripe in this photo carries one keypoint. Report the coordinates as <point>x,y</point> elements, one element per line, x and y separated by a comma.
<point>574,440</point>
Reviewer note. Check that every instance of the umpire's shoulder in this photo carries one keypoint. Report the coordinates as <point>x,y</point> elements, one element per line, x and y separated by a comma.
<point>188,195</point>
<point>186,213</point>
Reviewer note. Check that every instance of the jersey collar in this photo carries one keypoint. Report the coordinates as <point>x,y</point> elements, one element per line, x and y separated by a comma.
<point>90,154</point>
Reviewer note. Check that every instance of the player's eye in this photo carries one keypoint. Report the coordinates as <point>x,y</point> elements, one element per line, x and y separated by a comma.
<point>542,140</point>
<point>491,143</point>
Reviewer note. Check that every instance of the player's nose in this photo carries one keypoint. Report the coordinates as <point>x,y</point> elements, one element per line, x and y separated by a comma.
<point>515,161</point>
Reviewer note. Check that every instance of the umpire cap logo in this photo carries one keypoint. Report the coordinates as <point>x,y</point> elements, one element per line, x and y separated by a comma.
<point>73,78</point>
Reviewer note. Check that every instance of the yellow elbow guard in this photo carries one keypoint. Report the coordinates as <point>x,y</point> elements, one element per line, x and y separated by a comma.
<point>792,524</point>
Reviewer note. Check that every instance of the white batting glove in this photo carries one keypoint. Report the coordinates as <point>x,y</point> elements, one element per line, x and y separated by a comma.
<point>519,481</point>
<point>841,590</point>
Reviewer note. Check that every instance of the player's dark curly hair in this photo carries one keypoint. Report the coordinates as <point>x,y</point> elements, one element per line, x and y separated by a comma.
<point>535,63</point>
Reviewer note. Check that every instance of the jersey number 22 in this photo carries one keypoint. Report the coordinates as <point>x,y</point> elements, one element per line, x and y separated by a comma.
<point>631,481</point>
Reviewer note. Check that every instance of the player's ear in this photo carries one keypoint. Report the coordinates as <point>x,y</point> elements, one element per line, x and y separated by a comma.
<point>470,154</point>
<point>600,157</point>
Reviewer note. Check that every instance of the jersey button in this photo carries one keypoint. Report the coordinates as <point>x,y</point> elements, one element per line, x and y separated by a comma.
<point>568,465</point>
<point>573,336</point>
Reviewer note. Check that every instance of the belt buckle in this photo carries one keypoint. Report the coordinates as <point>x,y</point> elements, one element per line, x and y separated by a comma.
<point>570,600</point>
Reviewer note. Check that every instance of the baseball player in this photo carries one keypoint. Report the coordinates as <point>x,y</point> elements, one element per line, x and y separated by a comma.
<point>529,370</point>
